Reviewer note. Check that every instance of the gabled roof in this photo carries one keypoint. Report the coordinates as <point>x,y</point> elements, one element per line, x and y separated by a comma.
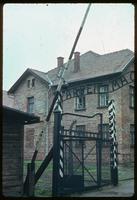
<point>92,65</point>
<point>42,75</point>
<point>38,74</point>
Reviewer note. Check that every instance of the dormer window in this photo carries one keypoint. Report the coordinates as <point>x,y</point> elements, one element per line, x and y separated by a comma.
<point>28,83</point>
<point>33,82</point>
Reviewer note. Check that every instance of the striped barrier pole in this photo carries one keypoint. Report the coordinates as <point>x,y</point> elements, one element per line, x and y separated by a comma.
<point>113,148</point>
<point>60,84</point>
<point>58,165</point>
<point>59,108</point>
<point>59,103</point>
<point>61,160</point>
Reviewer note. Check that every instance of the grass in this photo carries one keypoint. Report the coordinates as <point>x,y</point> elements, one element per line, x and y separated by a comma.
<point>44,185</point>
<point>43,188</point>
<point>125,172</point>
<point>43,193</point>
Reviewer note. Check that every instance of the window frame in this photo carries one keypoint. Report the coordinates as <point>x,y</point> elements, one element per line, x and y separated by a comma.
<point>132,135</point>
<point>29,138</point>
<point>29,104</point>
<point>103,93</point>
<point>33,82</point>
<point>28,83</point>
<point>83,107</point>
<point>107,136</point>
<point>131,96</point>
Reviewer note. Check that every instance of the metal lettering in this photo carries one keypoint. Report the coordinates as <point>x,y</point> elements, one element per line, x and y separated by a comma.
<point>132,76</point>
<point>81,91</point>
<point>123,80</point>
<point>95,90</point>
<point>75,92</point>
<point>68,94</point>
<point>115,85</point>
<point>88,89</point>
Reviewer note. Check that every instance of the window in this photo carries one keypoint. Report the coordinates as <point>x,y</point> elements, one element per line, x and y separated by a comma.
<point>33,82</point>
<point>131,96</point>
<point>105,131</point>
<point>80,102</point>
<point>29,140</point>
<point>103,96</point>
<point>28,83</point>
<point>132,134</point>
<point>30,107</point>
<point>81,132</point>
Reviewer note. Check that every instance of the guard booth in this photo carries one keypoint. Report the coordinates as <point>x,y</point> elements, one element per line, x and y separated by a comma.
<point>12,150</point>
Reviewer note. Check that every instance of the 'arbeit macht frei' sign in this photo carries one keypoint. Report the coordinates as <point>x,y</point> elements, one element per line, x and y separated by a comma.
<point>92,88</point>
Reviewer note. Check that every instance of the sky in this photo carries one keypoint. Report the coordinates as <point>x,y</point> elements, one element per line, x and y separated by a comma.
<point>34,35</point>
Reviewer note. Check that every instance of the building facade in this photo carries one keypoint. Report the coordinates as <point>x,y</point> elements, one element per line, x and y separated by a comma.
<point>89,83</point>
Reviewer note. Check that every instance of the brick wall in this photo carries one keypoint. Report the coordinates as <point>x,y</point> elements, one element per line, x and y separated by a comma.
<point>124,116</point>
<point>127,118</point>
<point>39,91</point>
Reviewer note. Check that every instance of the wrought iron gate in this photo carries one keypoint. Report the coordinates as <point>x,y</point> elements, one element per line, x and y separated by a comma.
<point>81,159</point>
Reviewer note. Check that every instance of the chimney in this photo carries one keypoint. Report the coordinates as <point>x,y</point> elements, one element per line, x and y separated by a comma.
<point>60,61</point>
<point>76,61</point>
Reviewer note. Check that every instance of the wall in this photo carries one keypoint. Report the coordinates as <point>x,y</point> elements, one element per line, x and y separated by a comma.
<point>12,161</point>
<point>127,150</point>
<point>8,100</point>
<point>40,97</point>
<point>124,116</point>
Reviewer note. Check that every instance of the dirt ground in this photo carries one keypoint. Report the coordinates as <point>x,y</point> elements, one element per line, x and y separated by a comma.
<point>124,189</point>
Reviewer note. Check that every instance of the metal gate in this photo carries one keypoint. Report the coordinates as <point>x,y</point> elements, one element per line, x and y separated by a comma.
<point>81,159</point>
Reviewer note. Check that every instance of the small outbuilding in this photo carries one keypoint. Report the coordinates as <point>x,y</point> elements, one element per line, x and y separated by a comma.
<point>12,149</point>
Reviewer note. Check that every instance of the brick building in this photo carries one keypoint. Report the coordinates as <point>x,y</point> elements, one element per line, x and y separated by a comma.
<point>93,74</point>
<point>8,100</point>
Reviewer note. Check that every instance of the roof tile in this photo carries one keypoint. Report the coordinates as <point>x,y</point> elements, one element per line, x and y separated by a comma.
<point>91,65</point>
<point>95,65</point>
